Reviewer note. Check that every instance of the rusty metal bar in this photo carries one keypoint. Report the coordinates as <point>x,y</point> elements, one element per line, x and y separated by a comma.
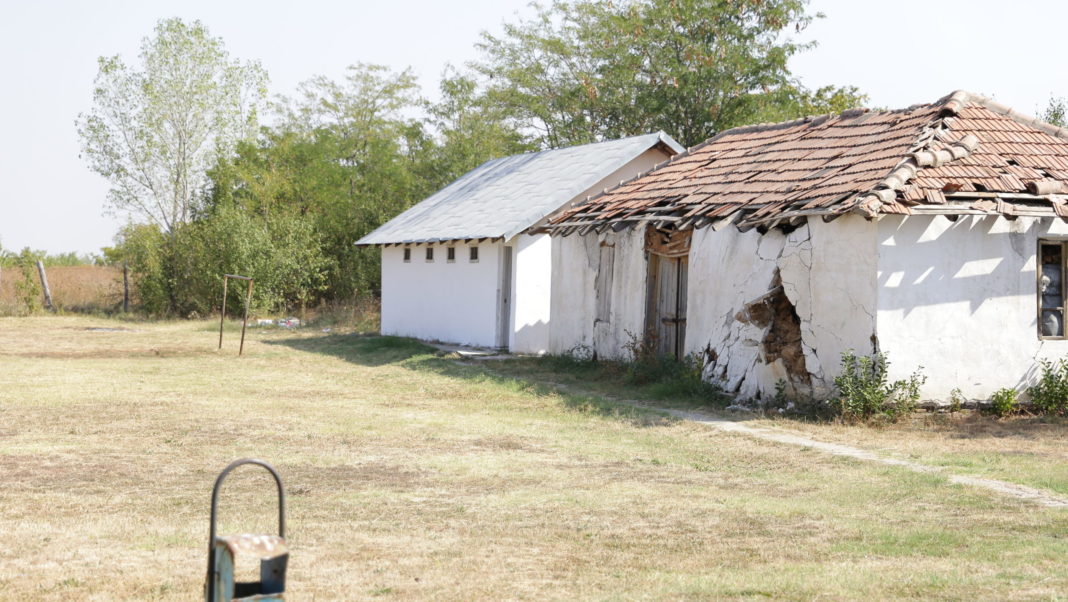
<point>215,509</point>
<point>244,323</point>
<point>222,318</point>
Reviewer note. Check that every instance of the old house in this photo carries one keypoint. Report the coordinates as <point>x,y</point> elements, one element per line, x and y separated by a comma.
<point>934,233</point>
<point>462,267</point>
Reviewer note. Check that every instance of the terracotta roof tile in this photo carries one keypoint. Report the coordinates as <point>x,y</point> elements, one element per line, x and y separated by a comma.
<point>865,161</point>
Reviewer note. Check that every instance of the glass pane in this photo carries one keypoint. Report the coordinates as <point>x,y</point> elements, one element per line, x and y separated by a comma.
<point>1051,279</point>
<point>1052,323</point>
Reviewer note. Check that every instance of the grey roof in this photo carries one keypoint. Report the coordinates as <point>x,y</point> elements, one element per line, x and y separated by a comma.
<point>503,197</point>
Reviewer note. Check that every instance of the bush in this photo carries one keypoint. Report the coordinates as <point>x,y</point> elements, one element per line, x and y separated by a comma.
<point>865,393</point>
<point>1003,402</point>
<point>181,272</point>
<point>1050,394</point>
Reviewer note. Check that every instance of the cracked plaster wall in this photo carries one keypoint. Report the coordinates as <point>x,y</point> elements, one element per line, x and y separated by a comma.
<point>827,274</point>
<point>575,262</point>
<point>959,298</point>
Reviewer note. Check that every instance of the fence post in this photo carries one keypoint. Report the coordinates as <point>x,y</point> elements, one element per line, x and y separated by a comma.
<point>44,284</point>
<point>125,287</point>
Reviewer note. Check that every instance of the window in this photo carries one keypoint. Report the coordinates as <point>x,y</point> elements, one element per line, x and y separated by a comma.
<point>407,255</point>
<point>474,254</point>
<point>430,253</point>
<point>1051,288</point>
<point>450,254</point>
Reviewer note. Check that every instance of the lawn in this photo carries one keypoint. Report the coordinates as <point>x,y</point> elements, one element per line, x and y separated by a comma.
<point>413,477</point>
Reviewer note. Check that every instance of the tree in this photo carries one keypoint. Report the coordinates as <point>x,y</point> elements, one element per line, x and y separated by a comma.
<point>154,132</point>
<point>585,70</point>
<point>1056,112</point>
<point>470,129</point>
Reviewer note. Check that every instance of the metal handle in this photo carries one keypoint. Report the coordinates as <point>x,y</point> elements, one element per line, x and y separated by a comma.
<point>215,506</point>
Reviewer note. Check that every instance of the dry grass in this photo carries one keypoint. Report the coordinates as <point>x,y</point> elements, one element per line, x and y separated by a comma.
<point>83,288</point>
<point>1030,450</point>
<point>411,477</point>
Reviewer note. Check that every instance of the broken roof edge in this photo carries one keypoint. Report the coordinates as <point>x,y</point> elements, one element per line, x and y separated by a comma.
<point>959,99</point>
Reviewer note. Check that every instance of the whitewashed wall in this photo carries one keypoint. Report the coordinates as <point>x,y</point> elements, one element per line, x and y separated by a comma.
<point>576,261</point>
<point>959,299</point>
<point>828,274</point>
<point>531,287</point>
<point>451,302</point>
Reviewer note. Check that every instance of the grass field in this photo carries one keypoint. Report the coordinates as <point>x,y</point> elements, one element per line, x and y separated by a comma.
<point>413,477</point>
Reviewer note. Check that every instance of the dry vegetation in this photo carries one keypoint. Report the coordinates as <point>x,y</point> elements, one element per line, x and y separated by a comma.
<point>84,288</point>
<point>412,477</point>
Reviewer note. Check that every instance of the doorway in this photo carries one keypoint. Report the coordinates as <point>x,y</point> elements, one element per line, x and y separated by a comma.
<point>504,299</point>
<point>666,304</point>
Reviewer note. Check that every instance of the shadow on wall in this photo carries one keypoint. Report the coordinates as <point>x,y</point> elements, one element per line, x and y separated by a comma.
<point>376,351</point>
<point>934,272</point>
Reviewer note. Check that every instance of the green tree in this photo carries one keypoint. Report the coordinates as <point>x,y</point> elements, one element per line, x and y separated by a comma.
<point>154,131</point>
<point>585,70</point>
<point>470,129</point>
<point>1056,112</point>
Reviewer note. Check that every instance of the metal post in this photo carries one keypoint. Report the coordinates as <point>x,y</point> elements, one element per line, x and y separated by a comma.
<point>244,324</point>
<point>222,319</point>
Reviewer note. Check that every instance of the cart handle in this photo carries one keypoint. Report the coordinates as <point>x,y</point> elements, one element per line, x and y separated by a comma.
<point>215,507</point>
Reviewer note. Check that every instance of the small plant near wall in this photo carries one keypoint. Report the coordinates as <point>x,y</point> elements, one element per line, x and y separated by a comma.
<point>866,394</point>
<point>956,400</point>
<point>1004,402</point>
<point>1050,394</point>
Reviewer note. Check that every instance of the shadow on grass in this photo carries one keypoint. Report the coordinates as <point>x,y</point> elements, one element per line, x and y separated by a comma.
<point>374,351</point>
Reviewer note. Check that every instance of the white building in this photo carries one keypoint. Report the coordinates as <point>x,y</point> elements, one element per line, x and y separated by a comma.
<point>461,267</point>
<point>935,234</point>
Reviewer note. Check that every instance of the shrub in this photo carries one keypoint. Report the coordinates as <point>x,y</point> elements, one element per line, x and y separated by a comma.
<point>1003,402</point>
<point>865,393</point>
<point>1050,394</point>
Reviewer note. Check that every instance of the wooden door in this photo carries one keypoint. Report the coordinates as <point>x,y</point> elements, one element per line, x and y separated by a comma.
<point>666,304</point>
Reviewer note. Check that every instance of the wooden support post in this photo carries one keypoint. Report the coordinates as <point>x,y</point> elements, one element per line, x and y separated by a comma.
<point>44,285</point>
<point>222,318</point>
<point>244,324</point>
<point>125,287</point>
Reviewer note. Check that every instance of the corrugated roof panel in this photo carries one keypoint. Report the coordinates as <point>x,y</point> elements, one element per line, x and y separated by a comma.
<point>503,197</point>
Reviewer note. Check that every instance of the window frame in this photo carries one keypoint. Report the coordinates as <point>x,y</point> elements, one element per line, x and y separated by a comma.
<point>429,254</point>
<point>472,254</point>
<point>407,255</point>
<point>1063,244</point>
<point>450,254</point>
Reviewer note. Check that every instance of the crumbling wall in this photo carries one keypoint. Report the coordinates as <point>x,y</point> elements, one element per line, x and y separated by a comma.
<point>765,308</point>
<point>575,264</point>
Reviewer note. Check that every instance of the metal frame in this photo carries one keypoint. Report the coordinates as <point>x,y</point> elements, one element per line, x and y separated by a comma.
<point>222,317</point>
<point>1063,244</point>
<point>215,508</point>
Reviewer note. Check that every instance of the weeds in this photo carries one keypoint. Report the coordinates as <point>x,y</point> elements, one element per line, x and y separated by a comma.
<point>1050,394</point>
<point>1004,402</point>
<point>865,392</point>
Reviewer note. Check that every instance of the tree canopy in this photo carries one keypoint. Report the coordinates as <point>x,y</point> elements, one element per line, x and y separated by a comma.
<point>587,70</point>
<point>154,131</point>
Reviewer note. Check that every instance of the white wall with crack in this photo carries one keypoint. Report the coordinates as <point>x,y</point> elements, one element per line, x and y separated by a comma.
<point>781,307</point>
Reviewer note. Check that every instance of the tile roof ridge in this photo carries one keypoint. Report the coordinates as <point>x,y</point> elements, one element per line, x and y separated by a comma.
<point>958,99</point>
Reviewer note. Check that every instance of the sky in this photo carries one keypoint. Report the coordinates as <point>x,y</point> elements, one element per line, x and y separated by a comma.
<point>898,53</point>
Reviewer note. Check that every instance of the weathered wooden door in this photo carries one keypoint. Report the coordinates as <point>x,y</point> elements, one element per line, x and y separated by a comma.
<point>666,304</point>
<point>504,299</point>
